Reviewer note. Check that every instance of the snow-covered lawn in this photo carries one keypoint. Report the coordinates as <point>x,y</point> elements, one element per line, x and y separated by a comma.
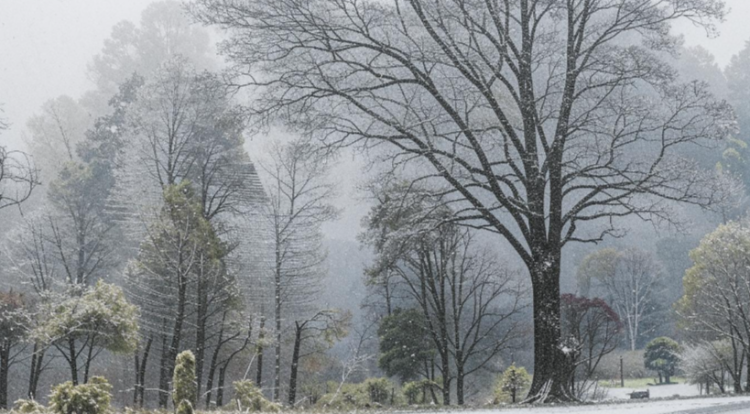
<point>661,391</point>
<point>729,405</point>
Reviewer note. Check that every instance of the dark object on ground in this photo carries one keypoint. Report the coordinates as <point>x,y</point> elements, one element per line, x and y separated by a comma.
<point>639,395</point>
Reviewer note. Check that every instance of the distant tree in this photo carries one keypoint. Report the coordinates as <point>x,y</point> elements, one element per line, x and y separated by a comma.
<point>663,356</point>
<point>406,349</point>
<point>185,128</point>
<point>99,318</point>
<point>313,334</point>
<point>15,323</point>
<point>180,273</point>
<point>55,132</point>
<point>299,195</point>
<point>631,281</point>
<point>18,176</point>
<point>717,292</point>
<point>163,32</point>
<point>591,330</point>
<point>470,302</point>
<point>538,116</point>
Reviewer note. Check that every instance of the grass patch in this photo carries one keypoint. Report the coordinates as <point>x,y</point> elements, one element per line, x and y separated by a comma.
<point>639,382</point>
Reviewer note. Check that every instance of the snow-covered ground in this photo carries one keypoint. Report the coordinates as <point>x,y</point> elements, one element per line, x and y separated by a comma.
<point>727,405</point>
<point>661,391</point>
<point>693,405</point>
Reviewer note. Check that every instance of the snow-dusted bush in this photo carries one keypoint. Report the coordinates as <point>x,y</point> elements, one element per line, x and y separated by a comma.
<point>28,407</point>
<point>185,388</point>
<point>706,363</point>
<point>373,392</point>
<point>249,398</point>
<point>90,398</point>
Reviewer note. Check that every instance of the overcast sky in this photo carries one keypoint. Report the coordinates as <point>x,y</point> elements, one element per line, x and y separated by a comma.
<point>45,46</point>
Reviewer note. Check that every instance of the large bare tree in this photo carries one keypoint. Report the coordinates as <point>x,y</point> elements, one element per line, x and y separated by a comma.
<point>540,115</point>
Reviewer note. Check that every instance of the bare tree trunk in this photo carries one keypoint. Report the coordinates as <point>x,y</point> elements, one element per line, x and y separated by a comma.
<point>295,365</point>
<point>141,372</point>
<point>277,352</point>
<point>72,362</point>
<point>4,369</point>
<point>459,378</point>
<point>220,388</point>
<point>164,371</point>
<point>37,360</point>
<point>445,361</point>
<point>212,366</point>
<point>261,337</point>
<point>200,333</point>
<point>549,379</point>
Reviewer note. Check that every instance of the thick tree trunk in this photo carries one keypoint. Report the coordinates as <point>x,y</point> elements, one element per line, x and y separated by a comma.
<point>295,364</point>
<point>550,362</point>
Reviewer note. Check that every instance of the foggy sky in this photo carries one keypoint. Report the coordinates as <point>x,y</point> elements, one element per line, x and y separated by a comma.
<point>45,46</point>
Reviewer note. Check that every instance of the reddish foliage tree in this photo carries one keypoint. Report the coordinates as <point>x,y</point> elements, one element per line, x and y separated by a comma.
<point>591,329</point>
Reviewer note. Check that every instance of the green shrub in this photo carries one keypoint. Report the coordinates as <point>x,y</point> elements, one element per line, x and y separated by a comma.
<point>512,385</point>
<point>28,407</point>
<point>185,387</point>
<point>248,398</point>
<point>372,392</point>
<point>411,391</point>
<point>91,398</point>
<point>418,392</point>
<point>378,390</point>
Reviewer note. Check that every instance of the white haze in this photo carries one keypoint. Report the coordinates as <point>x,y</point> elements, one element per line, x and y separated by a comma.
<point>46,45</point>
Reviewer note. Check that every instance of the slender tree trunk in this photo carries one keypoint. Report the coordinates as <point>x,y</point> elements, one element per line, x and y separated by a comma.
<point>212,366</point>
<point>175,343</point>
<point>4,369</point>
<point>295,364</point>
<point>459,378</point>
<point>220,388</point>
<point>277,352</point>
<point>200,334</point>
<point>164,371</point>
<point>141,372</point>
<point>445,361</point>
<point>136,386</point>
<point>89,358</point>
<point>37,359</point>
<point>72,362</point>
<point>261,337</point>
